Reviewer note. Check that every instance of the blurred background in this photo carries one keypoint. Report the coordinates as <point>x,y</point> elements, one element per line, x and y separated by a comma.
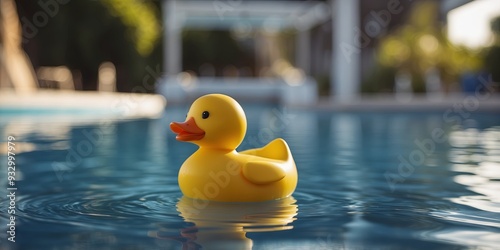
<point>312,49</point>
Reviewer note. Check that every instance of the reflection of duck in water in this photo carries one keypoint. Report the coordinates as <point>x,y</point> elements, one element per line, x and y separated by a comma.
<point>216,171</point>
<point>224,225</point>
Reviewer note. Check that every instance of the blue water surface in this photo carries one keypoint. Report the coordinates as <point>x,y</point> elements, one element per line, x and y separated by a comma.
<point>367,180</point>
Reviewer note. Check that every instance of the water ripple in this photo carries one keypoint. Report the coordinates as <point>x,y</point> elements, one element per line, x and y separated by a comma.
<point>91,209</point>
<point>467,218</point>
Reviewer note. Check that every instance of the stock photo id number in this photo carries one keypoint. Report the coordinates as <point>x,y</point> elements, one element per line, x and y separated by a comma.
<point>11,188</point>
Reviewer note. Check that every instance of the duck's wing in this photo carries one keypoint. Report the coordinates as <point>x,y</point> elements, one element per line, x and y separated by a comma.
<point>263,172</point>
<point>267,167</point>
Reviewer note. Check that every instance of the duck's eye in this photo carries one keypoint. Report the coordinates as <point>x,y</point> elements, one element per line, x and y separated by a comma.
<point>205,114</point>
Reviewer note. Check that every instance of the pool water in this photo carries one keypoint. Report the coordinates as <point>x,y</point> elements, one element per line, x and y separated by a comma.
<point>366,181</point>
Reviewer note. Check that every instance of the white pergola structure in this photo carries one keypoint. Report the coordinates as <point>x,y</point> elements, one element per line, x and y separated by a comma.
<point>274,15</point>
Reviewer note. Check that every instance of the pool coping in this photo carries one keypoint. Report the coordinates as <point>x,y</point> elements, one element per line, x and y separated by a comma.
<point>98,104</point>
<point>416,103</point>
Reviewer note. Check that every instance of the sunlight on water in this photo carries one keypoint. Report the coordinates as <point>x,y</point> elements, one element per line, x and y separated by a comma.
<point>474,154</point>
<point>476,159</point>
<point>471,238</point>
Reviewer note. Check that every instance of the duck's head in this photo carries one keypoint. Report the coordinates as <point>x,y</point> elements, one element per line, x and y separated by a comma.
<point>214,121</point>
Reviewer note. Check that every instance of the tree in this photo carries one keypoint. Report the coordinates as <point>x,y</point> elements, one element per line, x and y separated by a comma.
<point>83,34</point>
<point>421,45</point>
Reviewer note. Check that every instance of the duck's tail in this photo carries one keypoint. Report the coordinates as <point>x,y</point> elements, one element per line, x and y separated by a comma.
<point>277,150</point>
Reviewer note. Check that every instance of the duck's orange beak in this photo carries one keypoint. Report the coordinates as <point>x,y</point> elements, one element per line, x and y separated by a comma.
<point>187,131</point>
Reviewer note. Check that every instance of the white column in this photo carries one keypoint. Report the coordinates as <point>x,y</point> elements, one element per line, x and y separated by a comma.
<point>345,50</point>
<point>173,40</point>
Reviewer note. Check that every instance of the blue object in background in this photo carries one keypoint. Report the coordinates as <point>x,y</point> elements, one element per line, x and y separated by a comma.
<point>473,83</point>
<point>469,83</point>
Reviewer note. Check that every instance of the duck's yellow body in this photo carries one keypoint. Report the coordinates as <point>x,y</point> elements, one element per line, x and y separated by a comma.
<point>217,124</point>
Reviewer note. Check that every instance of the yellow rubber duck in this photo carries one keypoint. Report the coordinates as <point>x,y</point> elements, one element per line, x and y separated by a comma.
<point>217,124</point>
